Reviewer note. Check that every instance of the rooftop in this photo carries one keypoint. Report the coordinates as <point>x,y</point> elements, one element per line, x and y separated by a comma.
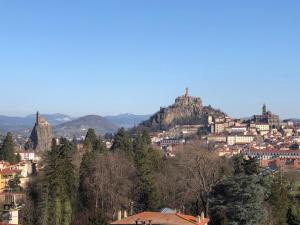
<point>156,218</point>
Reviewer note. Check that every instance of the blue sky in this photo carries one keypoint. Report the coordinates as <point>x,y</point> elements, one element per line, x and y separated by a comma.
<point>111,57</point>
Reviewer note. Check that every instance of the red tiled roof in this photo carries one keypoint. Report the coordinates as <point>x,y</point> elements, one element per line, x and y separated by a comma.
<point>192,219</point>
<point>158,218</point>
<point>8,172</point>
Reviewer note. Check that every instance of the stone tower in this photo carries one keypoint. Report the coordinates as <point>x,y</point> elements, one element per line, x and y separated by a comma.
<point>186,92</point>
<point>264,109</point>
<point>41,135</point>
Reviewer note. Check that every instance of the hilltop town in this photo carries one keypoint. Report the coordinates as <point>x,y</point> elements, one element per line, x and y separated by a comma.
<point>175,137</point>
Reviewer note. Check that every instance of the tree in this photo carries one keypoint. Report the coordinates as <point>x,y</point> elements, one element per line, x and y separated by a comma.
<point>237,200</point>
<point>14,183</point>
<point>93,143</point>
<point>18,158</point>
<point>90,139</point>
<point>105,183</point>
<point>146,161</point>
<point>279,199</point>
<point>95,217</point>
<point>293,214</point>
<point>56,192</point>
<point>122,142</point>
<point>241,198</point>
<point>86,169</point>
<point>7,149</point>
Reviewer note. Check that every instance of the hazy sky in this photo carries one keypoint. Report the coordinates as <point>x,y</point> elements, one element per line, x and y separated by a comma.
<point>110,57</point>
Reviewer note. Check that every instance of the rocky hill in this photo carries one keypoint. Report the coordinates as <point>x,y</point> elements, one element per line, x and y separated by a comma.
<point>79,127</point>
<point>41,135</point>
<point>186,110</point>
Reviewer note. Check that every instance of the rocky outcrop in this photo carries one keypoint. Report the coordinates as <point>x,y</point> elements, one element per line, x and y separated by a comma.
<point>186,110</point>
<point>41,135</point>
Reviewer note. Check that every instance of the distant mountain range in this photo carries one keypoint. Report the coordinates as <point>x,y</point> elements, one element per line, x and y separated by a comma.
<point>127,120</point>
<point>14,124</point>
<point>78,127</point>
<point>67,125</point>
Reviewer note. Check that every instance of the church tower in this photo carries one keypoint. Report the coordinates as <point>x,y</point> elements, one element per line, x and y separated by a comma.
<point>264,109</point>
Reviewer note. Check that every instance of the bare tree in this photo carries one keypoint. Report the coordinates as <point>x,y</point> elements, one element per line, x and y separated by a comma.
<point>110,183</point>
<point>190,177</point>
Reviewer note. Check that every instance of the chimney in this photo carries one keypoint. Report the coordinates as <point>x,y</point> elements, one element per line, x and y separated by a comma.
<point>202,216</point>
<point>125,214</point>
<point>198,219</point>
<point>119,215</point>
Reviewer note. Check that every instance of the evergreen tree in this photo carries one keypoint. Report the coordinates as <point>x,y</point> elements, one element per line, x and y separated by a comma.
<point>94,143</point>
<point>122,142</point>
<point>90,140</point>
<point>251,166</point>
<point>146,137</point>
<point>7,149</point>
<point>96,218</point>
<point>100,145</point>
<point>279,199</point>
<point>245,166</point>
<point>148,196</point>
<point>84,201</point>
<point>293,214</point>
<point>240,199</point>
<point>238,164</point>
<point>58,186</point>
<point>237,200</point>
<point>18,158</point>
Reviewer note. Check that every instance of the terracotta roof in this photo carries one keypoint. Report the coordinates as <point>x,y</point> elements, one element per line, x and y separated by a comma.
<point>2,223</point>
<point>158,218</point>
<point>8,172</point>
<point>268,151</point>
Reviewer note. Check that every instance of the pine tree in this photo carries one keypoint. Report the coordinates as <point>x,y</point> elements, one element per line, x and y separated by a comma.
<point>251,166</point>
<point>146,138</point>
<point>122,142</point>
<point>96,218</point>
<point>59,186</point>
<point>148,196</point>
<point>279,199</point>
<point>237,200</point>
<point>90,140</point>
<point>7,150</point>
<point>84,202</point>
<point>293,214</point>
<point>94,143</point>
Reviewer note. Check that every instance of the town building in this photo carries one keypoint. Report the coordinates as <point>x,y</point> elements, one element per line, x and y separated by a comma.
<point>267,117</point>
<point>27,155</point>
<point>275,158</point>
<point>239,139</point>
